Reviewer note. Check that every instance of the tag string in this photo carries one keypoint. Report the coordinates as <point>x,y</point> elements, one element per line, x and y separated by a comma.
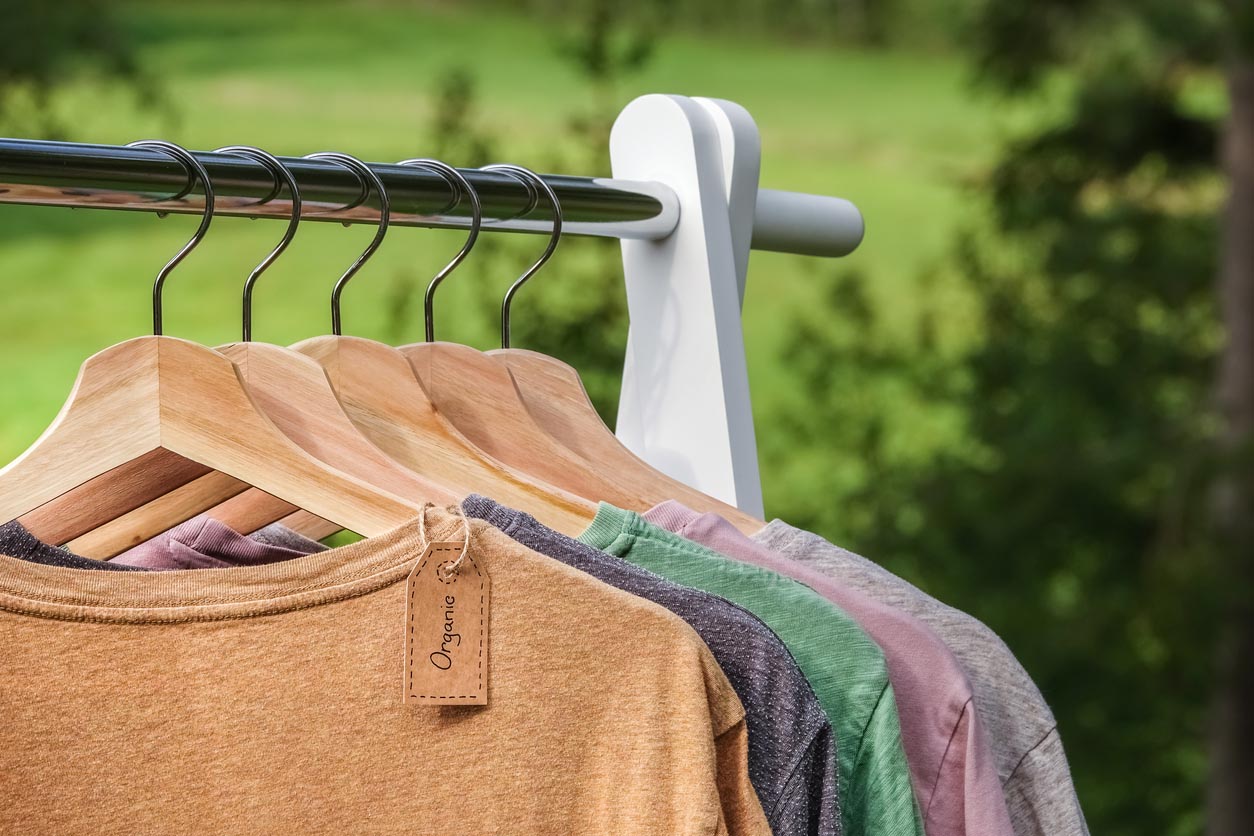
<point>452,568</point>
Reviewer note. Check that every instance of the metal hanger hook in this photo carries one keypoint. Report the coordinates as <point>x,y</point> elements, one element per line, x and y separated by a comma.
<point>368,176</point>
<point>194,169</point>
<point>282,177</point>
<point>461,186</point>
<point>531,178</point>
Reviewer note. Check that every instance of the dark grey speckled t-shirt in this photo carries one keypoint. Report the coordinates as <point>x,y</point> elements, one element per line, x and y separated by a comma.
<point>16,541</point>
<point>792,749</point>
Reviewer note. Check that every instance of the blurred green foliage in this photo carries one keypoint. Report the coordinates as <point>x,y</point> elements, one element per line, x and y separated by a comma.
<point>1077,516</point>
<point>47,45</point>
<point>1005,395</point>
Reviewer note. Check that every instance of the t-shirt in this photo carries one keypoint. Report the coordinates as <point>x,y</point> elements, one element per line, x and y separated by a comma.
<point>792,750</point>
<point>205,543</point>
<point>844,666</point>
<point>953,772</point>
<point>16,541</point>
<point>268,699</point>
<point>1022,731</point>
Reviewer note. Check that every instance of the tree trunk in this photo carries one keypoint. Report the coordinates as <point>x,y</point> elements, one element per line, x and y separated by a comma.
<point>1231,802</point>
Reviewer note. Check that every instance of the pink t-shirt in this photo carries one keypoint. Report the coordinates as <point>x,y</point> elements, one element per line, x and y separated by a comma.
<point>951,767</point>
<point>204,543</point>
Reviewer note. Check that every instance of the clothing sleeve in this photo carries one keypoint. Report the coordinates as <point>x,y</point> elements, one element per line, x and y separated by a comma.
<point>810,802</point>
<point>1040,794</point>
<point>880,800</point>
<point>967,796</point>
<point>742,811</point>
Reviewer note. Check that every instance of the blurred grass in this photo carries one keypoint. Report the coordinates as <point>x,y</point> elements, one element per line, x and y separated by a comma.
<point>897,133</point>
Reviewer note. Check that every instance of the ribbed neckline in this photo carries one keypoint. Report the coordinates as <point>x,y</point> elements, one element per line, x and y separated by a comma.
<point>217,594</point>
<point>606,527</point>
<point>490,511</point>
<point>776,535</point>
<point>671,515</point>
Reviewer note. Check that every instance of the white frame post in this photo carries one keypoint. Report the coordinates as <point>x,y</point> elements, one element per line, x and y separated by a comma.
<point>685,404</point>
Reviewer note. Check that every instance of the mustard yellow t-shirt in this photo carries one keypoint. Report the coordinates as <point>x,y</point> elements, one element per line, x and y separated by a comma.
<point>268,699</point>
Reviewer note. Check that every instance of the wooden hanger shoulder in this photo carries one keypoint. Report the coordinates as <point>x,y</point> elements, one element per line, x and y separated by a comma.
<point>294,392</point>
<point>155,393</point>
<point>477,395</point>
<point>380,393</point>
<point>114,399</point>
<point>555,396</point>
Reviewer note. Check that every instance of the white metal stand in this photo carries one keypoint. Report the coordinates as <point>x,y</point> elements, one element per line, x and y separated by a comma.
<point>685,404</point>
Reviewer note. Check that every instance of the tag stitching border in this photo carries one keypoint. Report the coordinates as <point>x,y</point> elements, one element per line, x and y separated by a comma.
<point>412,588</point>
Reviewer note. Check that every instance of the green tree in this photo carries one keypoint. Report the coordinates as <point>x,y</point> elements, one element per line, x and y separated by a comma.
<point>605,42</point>
<point>47,45</point>
<point>1129,169</point>
<point>1101,516</point>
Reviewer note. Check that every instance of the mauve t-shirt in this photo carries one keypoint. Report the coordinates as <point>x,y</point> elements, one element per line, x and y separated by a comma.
<point>1023,733</point>
<point>951,767</point>
<point>792,749</point>
<point>204,543</point>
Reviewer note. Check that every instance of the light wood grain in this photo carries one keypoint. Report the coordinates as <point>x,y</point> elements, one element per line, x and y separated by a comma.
<point>95,432</point>
<point>164,393</point>
<point>378,390</point>
<point>478,396</point>
<point>250,510</point>
<point>143,523</point>
<point>118,491</point>
<point>494,416</point>
<point>555,398</point>
<point>309,525</point>
<point>294,392</point>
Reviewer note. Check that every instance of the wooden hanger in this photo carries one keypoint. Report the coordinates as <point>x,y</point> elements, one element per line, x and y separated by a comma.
<point>555,397</point>
<point>373,385</point>
<point>377,388</point>
<point>161,393</point>
<point>294,392</point>
<point>553,400</point>
<point>478,396</point>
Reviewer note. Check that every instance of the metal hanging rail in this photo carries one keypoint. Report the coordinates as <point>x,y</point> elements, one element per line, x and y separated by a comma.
<point>78,175</point>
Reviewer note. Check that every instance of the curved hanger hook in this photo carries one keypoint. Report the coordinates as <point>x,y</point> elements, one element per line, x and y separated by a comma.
<point>282,176</point>
<point>368,177</point>
<point>194,169</point>
<point>462,187</point>
<point>526,174</point>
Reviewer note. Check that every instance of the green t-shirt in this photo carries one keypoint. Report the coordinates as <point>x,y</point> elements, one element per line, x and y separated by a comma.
<point>845,667</point>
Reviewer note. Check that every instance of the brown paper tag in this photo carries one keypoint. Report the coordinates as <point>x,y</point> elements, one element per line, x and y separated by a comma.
<point>446,629</point>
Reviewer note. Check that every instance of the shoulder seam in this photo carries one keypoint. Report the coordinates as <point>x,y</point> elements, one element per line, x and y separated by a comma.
<point>966,707</point>
<point>794,773</point>
<point>862,734</point>
<point>1052,730</point>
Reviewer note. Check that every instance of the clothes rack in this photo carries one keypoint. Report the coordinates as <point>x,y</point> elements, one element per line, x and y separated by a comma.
<point>684,201</point>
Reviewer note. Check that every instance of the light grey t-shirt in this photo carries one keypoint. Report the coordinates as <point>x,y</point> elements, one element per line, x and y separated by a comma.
<point>792,748</point>
<point>1021,729</point>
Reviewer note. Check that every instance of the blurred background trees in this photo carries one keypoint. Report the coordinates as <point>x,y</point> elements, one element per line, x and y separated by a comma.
<point>47,45</point>
<point>1045,418</point>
